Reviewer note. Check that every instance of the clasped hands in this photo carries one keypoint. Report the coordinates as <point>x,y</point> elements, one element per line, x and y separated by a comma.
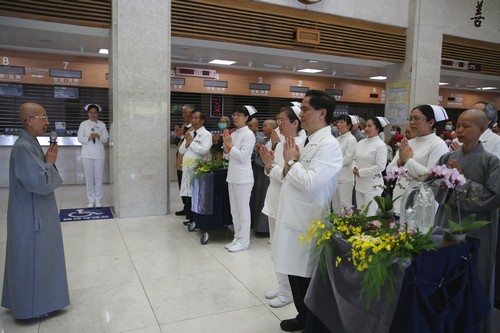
<point>290,152</point>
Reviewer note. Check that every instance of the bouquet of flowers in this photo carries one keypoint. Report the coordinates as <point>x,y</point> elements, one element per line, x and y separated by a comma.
<point>203,167</point>
<point>450,178</point>
<point>385,201</point>
<point>375,246</point>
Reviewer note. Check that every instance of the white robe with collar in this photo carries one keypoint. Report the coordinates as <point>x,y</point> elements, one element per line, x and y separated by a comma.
<point>305,195</point>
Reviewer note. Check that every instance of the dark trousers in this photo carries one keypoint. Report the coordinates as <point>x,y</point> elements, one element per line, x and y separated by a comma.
<point>299,287</point>
<point>184,199</point>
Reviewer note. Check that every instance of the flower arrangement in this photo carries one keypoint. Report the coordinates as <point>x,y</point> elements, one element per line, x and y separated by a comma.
<point>450,178</point>
<point>375,246</point>
<point>385,202</point>
<point>203,167</point>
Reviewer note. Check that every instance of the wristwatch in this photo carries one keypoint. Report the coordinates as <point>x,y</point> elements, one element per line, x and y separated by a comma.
<point>292,162</point>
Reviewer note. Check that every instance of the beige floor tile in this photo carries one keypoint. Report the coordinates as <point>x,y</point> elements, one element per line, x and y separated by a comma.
<point>190,296</point>
<point>251,320</point>
<point>116,308</point>
<point>100,271</point>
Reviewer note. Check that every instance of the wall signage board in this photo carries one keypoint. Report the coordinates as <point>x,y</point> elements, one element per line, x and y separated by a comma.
<point>298,89</point>
<point>11,89</point>
<point>66,92</point>
<point>17,70</point>
<point>396,108</point>
<point>259,86</point>
<point>65,73</point>
<point>334,92</point>
<point>215,83</point>
<point>178,81</point>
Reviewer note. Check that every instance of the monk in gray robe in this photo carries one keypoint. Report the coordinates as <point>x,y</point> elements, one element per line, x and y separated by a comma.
<point>480,194</point>
<point>35,282</point>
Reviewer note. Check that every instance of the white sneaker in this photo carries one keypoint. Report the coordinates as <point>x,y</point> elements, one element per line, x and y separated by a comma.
<point>280,301</point>
<point>271,294</point>
<point>98,205</point>
<point>237,247</point>
<point>231,244</point>
<point>90,205</point>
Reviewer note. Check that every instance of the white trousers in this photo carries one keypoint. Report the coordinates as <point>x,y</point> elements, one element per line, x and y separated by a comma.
<point>342,196</point>
<point>239,199</point>
<point>93,170</point>
<point>362,199</point>
<point>283,281</point>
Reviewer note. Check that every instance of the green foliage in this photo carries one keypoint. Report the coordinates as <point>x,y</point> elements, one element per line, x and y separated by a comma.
<point>203,167</point>
<point>466,224</point>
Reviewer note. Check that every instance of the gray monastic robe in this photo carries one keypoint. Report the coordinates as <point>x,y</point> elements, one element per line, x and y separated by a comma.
<point>35,280</point>
<point>480,195</point>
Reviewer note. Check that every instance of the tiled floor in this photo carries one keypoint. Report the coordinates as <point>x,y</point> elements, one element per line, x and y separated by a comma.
<point>150,275</point>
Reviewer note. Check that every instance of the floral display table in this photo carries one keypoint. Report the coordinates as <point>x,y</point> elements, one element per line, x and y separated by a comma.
<point>210,202</point>
<point>438,292</point>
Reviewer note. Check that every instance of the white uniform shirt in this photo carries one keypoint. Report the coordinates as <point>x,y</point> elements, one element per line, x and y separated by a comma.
<point>198,149</point>
<point>348,145</point>
<point>491,142</point>
<point>89,148</point>
<point>275,176</point>
<point>306,194</point>
<point>239,170</point>
<point>371,159</point>
<point>426,152</point>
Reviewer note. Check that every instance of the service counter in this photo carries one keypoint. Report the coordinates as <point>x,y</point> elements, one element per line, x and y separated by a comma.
<point>69,162</point>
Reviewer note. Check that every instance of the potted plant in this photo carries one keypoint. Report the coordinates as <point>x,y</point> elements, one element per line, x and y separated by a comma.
<point>457,231</point>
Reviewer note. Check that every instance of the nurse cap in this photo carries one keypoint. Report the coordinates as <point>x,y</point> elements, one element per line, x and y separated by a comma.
<point>86,107</point>
<point>354,119</point>
<point>439,112</point>
<point>296,107</point>
<point>383,121</point>
<point>251,110</point>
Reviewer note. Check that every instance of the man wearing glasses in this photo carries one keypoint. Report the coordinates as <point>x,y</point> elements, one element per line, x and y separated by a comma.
<point>35,283</point>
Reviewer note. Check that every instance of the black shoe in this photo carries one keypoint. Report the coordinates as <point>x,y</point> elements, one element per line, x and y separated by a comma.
<point>181,212</point>
<point>291,325</point>
<point>187,222</point>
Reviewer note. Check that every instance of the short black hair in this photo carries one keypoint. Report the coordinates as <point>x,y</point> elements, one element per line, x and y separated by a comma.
<point>319,99</point>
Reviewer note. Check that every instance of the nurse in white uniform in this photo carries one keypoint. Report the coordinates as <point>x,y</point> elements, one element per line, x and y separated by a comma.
<point>238,148</point>
<point>92,134</point>
<point>371,159</point>
<point>289,124</point>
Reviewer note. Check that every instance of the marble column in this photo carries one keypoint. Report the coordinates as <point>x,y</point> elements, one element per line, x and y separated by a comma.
<point>140,103</point>
<point>422,67</point>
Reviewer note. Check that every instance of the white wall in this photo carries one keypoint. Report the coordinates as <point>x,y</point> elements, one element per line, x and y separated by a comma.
<point>456,18</point>
<point>391,12</point>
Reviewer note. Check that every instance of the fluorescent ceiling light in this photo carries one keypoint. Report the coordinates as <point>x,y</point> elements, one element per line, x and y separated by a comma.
<point>309,70</point>
<point>380,77</point>
<point>443,83</point>
<point>221,62</point>
<point>103,51</point>
<point>272,66</point>
<point>486,88</point>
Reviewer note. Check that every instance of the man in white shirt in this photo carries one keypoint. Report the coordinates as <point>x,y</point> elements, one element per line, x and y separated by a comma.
<point>196,145</point>
<point>310,178</point>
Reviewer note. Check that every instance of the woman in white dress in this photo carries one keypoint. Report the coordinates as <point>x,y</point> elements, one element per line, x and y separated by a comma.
<point>92,134</point>
<point>238,148</point>
<point>289,124</point>
<point>348,143</point>
<point>370,161</point>
<point>420,153</point>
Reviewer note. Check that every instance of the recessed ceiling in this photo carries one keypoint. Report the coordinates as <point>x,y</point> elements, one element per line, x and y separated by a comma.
<point>47,37</point>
